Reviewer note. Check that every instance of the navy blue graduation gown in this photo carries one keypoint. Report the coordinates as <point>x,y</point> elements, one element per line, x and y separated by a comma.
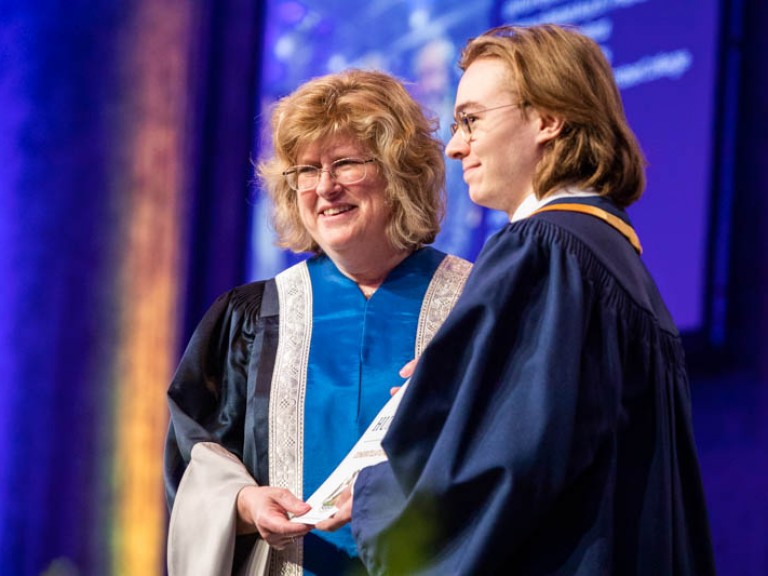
<point>547,428</point>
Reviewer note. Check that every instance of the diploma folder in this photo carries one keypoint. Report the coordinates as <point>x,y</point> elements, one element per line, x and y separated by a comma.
<point>367,451</point>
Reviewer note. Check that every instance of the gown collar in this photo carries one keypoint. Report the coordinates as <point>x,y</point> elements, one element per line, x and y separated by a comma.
<point>531,203</point>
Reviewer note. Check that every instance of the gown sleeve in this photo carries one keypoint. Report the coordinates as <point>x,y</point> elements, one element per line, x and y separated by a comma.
<point>203,461</point>
<point>202,534</point>
<point>207,396</point>
<point>495,422</point>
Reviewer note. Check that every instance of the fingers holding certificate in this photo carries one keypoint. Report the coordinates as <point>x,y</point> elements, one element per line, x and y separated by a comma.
<point>343,504</point>
<point>334,497</point>
<point>265,509</point>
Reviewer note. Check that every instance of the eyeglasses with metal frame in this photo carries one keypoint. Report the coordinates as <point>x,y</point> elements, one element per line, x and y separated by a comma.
<point>344,171</point>
<point>464,121</point>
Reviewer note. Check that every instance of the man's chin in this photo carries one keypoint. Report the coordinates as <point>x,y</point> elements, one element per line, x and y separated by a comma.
<point>478,197</point>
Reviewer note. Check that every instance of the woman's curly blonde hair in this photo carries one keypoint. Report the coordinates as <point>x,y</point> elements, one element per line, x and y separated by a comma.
<point>375,109</point>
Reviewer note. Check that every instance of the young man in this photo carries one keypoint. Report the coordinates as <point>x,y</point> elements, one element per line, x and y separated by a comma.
<point>547,428</point>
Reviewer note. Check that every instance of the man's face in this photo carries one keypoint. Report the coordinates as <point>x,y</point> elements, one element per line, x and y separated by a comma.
<point>500,156</point>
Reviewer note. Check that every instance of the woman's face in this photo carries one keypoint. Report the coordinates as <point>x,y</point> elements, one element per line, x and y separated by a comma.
<point>345,219</point>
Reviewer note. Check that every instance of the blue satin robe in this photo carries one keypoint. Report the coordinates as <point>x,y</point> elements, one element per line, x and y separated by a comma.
<point>221,390</point>
<point>358,347</point>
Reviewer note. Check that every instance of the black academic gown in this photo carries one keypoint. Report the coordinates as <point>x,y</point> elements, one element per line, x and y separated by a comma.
<point>547,428</point>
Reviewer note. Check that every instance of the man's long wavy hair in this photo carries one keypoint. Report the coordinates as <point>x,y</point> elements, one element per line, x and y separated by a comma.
<point>562,72</point>
<point>376,110</point>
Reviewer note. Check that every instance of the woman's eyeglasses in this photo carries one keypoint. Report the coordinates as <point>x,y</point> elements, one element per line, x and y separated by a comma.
<point>344,171</point>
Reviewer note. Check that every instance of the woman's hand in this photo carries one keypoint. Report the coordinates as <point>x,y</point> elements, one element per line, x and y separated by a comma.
<point>343,514</point>
<point>265,509</point>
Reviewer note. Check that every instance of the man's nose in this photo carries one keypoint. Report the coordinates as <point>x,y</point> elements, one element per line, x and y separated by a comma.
<point>457,147</point>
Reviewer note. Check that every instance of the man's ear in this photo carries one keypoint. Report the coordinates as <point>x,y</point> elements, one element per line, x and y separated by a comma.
<point>550,126</point>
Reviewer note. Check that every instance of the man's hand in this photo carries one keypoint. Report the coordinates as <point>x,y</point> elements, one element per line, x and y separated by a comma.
<point>343,514</point>
<point>407,370</point>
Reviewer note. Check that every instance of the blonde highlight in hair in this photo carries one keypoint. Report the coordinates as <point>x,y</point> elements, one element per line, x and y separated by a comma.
<point>562,72</point>
<point>375,109</point>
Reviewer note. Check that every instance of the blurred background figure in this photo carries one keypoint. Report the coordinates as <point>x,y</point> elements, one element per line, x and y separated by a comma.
<point>434,71</point>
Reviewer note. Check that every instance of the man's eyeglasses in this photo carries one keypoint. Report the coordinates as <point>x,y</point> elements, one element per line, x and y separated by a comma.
<point>465,121</point>
<point>344,171</point>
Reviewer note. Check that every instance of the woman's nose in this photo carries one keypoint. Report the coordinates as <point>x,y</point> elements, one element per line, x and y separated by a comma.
<point>326,186</point>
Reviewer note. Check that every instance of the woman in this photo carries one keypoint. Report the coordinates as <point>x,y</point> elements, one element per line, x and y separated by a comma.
<point>282,376</point>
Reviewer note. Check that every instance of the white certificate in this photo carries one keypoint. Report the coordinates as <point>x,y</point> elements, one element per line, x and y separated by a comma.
<point>366,452</point>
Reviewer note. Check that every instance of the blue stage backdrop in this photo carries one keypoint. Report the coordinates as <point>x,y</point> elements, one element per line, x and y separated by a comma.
<point>108,115</point>
<point>665,57</point>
